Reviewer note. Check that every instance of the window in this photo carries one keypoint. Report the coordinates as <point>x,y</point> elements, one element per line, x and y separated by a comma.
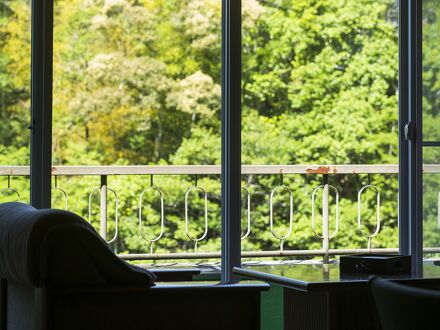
<point>137,85</point>
<point>15,58</point>
<point>138,82</point>
<point>320,114</point>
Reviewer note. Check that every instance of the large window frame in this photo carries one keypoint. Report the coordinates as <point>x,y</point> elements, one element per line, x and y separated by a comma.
<point>410,124</point>
<point>41,103</point>
<point>411,133</point>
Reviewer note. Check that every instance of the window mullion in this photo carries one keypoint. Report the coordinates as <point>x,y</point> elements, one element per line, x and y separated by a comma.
<point>231,138</point>
<point>41,102</point>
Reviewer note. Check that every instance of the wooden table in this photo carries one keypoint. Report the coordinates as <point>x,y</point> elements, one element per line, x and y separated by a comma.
<point>319,297</point>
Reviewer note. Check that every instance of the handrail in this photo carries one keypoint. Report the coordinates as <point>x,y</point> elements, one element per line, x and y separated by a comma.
<point>212,169</point>
<point>216,169</point>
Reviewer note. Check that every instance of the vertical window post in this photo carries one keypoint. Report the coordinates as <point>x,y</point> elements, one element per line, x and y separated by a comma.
<point>231,139</point>
<point>41,103</point>
<point>413,135</point>
<point>403,120</point>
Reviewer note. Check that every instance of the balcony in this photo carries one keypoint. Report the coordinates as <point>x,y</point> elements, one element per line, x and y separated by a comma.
<point>104,203</point>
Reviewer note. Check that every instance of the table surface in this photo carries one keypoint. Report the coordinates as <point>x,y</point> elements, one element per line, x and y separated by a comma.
<point>320,277</point>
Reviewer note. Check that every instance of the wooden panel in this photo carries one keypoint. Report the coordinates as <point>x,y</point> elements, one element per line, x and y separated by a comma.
<point>305,310</point>
<point>351,309</point>
<point>335,310</point>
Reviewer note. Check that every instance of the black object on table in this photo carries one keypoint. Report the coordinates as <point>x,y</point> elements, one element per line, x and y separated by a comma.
<point>375,264</point>
<point>319,297</point>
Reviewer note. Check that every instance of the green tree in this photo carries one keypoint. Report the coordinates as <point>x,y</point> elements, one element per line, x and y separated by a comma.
<point>138,82</point>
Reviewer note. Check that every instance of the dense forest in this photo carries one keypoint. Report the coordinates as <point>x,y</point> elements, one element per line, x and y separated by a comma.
<point>137,82</point>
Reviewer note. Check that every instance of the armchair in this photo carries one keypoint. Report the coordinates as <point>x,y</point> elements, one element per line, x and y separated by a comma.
<point>58,274</point>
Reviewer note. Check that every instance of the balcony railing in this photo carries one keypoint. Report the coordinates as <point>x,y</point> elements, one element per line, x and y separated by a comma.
<point>325,189</point>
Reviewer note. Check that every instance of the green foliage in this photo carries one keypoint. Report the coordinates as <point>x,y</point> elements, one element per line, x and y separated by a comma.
<point>431,119</point>
<point>138,82</point>
<point>14,80</point>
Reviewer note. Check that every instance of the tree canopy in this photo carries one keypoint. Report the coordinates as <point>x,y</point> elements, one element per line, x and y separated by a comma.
<point>137,82</point>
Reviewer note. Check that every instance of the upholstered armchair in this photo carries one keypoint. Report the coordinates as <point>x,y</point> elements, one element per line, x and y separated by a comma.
<point>404,307</point>
<point>57,273</point>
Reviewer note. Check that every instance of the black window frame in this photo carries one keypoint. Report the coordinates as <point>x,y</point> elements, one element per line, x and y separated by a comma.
<point>41,102</point>
<point>411,133</point>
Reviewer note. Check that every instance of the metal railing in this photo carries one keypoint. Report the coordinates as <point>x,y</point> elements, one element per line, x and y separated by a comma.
<point>325,189</point>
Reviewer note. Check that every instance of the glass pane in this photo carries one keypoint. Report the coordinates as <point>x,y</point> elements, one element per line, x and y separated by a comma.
<point>320,82</point>
<point>431,70</point>
<point>431,201</point>
<point>138,83</point>
<point>431,122</point>
<point>15,73</point>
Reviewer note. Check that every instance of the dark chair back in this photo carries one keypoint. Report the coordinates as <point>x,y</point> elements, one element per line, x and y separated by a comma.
<point>58,248</point>
<point>403,307</point>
